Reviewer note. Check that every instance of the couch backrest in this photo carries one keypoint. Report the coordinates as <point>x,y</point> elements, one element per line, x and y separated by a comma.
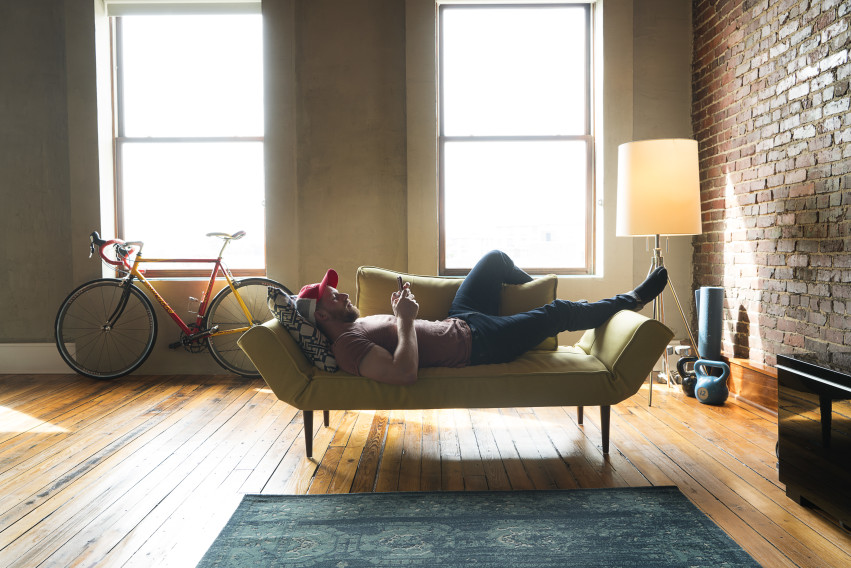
<point>375,285</point>
<point>435,293</point>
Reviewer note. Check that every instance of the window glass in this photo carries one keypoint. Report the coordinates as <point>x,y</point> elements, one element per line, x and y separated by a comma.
<point>192,75</point>
<point>190,136</point>
<point>514,71</point>
<point>515,136</point>
<point>516,196</point>
<point>195,189</point>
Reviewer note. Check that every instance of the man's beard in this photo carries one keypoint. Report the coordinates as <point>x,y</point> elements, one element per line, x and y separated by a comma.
<point>351,314</point>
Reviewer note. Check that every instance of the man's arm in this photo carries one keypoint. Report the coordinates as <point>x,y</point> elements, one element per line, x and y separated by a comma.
<point>401,366</point>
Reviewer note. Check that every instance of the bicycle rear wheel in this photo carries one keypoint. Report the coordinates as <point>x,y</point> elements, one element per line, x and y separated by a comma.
<point>226,314</point>
<point>105,328</point>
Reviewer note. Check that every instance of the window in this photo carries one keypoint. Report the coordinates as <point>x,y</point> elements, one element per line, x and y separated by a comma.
<point>516,147</point>
<point>189,136</point>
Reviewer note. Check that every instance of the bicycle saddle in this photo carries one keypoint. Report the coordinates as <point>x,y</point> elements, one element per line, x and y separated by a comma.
<point>236,236</point>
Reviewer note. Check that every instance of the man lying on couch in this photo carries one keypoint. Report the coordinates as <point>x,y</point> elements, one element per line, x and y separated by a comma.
<point>391,348</point>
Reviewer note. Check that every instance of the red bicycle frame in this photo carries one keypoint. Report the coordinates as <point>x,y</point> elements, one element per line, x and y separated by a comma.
<point>128,249</point>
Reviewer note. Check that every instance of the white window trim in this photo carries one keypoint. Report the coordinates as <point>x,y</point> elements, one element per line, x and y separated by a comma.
<point>160,7</point>
<point>591,232</point>
<point>613,124</point>
<point>112,196</point>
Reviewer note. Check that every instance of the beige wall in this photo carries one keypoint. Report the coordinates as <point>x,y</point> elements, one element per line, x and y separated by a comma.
<point>35,186</point>
<point>337,115</point>
<point>662,103</point>
<point>350,138</point>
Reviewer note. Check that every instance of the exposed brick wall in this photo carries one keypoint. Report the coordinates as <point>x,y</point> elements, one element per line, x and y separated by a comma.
<point>771,116</point>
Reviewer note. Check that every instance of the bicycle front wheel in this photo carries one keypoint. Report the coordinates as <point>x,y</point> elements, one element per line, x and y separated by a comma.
<point>226,314</point>
<point>106,328</point>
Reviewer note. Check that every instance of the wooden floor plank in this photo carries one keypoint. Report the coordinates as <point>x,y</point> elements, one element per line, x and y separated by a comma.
<point>271,428</point>
<point>746,436</point>
<point>295,472</point>
<point>78,471</point>
<point>351,457</point>
<point>275,473</point>
<point>518,478</point>
<point>198,536</point>
<point>184,498</point>
<point>139,466</point>
<point>493,468</point>
<point>267,451</point>
<point>410,465</point>
<point>472,463</point>
<point>326,469</point>
<point>586,464</point>
<point>51,457</point>
<point>144,471</point>
<point>45,413</point>
<point>556,467</point>
<point>391,458</point>
<point>364,480</point>
<point>430,476</point>
<point>451,468</point>
<point>539,467</point>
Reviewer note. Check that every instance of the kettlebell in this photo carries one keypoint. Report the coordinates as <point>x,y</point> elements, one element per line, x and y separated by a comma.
<point>709,389</point>
<point>689,378</point>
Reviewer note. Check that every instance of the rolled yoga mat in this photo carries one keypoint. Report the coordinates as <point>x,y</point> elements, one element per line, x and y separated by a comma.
<point>710,302</point>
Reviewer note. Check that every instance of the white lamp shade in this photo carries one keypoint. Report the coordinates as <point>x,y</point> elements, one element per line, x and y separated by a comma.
<point>658,188</point>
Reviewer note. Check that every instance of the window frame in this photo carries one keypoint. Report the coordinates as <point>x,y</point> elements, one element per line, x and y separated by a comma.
<point>587,138</point>
<point>119,140</point>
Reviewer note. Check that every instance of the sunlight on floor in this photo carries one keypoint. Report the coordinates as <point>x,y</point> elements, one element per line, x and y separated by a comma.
<point>509,420</point>
<point>12,421</point>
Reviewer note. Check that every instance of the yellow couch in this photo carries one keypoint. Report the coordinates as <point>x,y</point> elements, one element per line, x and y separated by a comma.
<point>606,366</point>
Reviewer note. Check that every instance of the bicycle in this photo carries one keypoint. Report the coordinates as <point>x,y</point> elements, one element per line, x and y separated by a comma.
<point>106,328</point>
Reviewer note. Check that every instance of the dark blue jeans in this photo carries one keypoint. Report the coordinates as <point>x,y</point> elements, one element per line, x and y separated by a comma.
<point>499,339</point>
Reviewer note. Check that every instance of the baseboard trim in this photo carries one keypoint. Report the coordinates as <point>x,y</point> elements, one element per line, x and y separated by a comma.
<point>749,402</point>
<point>32,358</point>
<point>754,384</point>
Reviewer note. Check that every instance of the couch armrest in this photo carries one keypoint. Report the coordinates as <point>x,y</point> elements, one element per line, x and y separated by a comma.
<point>278,358</point>
<point>629,344</point>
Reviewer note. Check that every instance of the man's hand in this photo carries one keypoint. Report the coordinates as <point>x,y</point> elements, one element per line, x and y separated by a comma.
<point>404,304</point>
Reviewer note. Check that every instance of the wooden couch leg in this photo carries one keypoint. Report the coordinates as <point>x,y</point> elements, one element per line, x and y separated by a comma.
<point>307,415</point>
<point>326,417</point>
<point>579,415</point>
<point>605,421</point>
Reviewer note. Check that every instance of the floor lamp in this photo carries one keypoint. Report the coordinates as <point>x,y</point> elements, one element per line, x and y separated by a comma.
<point>659,194</point>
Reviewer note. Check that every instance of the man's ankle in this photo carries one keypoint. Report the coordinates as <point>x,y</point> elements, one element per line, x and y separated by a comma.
<point>652,286</point>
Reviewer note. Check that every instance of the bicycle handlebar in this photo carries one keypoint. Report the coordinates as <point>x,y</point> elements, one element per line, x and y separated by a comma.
<point>122,249</point>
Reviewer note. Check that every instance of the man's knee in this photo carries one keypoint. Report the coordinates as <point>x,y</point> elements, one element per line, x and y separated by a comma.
<point>496,253</point>
<point>498,256</point>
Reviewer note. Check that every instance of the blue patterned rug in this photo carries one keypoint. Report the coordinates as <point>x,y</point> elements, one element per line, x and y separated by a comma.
<point>630,527</point>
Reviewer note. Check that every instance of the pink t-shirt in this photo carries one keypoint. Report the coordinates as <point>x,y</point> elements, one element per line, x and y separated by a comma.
<point>440,343</point>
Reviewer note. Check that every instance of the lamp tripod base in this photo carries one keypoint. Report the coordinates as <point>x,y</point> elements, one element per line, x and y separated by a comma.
<point>659,314</point>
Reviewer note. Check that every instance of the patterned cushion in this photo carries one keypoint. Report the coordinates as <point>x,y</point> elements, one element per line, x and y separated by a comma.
<point>313,342</point>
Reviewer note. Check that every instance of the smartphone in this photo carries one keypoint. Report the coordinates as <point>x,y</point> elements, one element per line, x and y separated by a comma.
<point>399,280</point>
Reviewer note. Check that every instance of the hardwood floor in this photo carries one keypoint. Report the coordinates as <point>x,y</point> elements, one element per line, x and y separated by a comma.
<point>145,471</point>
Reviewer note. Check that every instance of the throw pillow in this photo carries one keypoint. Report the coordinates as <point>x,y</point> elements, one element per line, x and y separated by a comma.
<point>518,298</point>
<point>312,342</point>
